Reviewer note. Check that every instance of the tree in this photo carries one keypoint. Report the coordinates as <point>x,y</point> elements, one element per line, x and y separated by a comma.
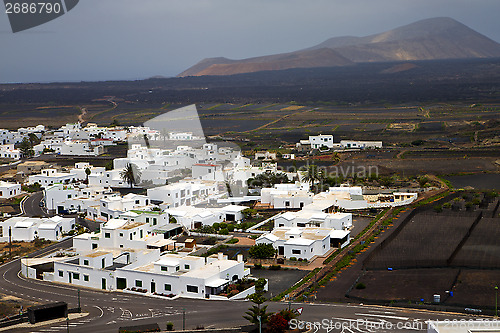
<point>26,148</point>
<point>87,173</point>
<point>313,175</point>
<point>130,174</point>
<point>262,251</point>
<point>257,310</point>
<point>267,179</point>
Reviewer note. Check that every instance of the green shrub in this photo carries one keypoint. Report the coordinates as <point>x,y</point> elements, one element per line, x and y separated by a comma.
<point>170,326</point>
<point>360,285</point>
<point>275,267</point>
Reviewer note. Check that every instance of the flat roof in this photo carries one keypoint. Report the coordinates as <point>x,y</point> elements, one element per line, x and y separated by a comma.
<point>96,254</point>
<point>129,226</point>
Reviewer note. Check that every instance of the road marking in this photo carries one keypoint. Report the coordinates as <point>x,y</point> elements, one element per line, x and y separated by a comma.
<point>381,316</point>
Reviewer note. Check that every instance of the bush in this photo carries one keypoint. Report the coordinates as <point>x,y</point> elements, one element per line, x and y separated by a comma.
<point>230,227</point>
<point>360,286</point>
<point>293,259</point>
<point>257,266</point>
<point>438,208</point>
<point>277,324</point>
<point>275,267</point>
<point>224,232</point>
<point>233,241</point>
<point>170,326</point>
<point>447,205</point>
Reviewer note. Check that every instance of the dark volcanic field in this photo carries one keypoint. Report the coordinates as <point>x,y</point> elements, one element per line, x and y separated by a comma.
<point>441,81</point>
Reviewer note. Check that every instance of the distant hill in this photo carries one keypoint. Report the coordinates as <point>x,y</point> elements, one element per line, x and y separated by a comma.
<point>430,39</point>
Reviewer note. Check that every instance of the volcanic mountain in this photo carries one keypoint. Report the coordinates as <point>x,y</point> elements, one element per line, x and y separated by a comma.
<point>430,39</point>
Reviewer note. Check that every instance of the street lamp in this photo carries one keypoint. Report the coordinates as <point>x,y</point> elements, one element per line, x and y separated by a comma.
<point>67,324</point>
<point>260,324</point>
<point>496,301</point>
<point>79,308</point>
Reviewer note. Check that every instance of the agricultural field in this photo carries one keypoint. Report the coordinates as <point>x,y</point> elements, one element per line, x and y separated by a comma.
<point>452,246</point>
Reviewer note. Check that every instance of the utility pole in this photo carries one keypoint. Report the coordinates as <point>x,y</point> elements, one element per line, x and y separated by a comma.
<point>10,242</point>
<point>260,324</point>
<point>79,308</point>
<point>184,319</point>
<point>67,324</point>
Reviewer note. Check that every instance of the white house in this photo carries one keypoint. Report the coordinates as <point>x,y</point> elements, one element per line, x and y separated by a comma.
<point>78,197</point>
<point>112,206</point>
<point>185,193</point>
<point>146,270</point>
<point>321,141</point>
<point>304,243</point>
<point>308,218</point>
<point>350,144</point>
<point>8,151</point>
<point>52,176</point>
<point>192,217</point>
<point>9,190</point>
<point>29,228</point>
<point>287,196</point>
<point>80,148</point>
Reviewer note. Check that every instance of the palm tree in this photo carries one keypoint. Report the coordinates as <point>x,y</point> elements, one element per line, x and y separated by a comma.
<point>313,175</point>
<point>130,174</point>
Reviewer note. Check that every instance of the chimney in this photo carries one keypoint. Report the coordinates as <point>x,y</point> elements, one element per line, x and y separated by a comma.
<point>220,256</point>
<point>239,258</point>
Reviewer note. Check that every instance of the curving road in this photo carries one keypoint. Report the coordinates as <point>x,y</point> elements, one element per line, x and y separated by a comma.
<point>31,206</point>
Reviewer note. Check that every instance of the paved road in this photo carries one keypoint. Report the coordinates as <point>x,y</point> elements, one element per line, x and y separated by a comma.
<point>31,206</point>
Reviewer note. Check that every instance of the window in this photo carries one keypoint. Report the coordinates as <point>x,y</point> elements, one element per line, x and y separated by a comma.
<point>76,276</point>
<point>137,202</point>
<point>287,203</point>
<point>177,268</point>
<point>103,262</point>
<point>192,289</point>
<point>85,262</point>
<point>147,219</point>
<point>86,278</point>
<point>295,251</point>
<point>61,273</point>
<point>168,287</point>
<point>121,234</point>
<point>94,246</point>
<point>154,220</point>
<point>121,246</point>
<point>107,235</point>
<point>186,266</point>
<point>164,269</point>
<point>138,283</point>
<point>69,196</point>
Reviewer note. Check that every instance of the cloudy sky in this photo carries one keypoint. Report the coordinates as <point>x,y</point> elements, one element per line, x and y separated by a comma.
<point>135,39</point>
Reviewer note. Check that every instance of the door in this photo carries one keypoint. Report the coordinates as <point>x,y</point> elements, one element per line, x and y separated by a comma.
<point>153,287</point>
<point>103,284</point>
<point>121,283</point>
<point>281,250</point>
